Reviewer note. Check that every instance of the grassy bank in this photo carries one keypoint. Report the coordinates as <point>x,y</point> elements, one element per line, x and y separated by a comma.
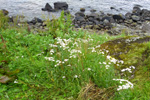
<point>61,64</point>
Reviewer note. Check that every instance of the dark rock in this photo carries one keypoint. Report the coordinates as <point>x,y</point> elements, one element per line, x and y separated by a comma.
<point>92,10</point>
<point>36,20</point>
<point>60,5</point>
<point>128,15</point>
<point>145,14</point>
<point>66,12</point>
<point>135,18</point>
<point>110,19</point>
<point>80,14</point>
<point>93,15</point>
<point>136,10</point>
<point>112,7</point>
<point>82,9</point>
<point>48,8</point>
<point>79,18</point>
<point>118,18</point>
<point>5,12</point>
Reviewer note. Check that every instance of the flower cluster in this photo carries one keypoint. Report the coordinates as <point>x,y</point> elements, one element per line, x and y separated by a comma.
<point>126,86</point>
<point>128,69</point>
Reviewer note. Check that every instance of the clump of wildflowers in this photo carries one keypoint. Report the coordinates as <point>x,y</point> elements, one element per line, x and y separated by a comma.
<point>126,86</point>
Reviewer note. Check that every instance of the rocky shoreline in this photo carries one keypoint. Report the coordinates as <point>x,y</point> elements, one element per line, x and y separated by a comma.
<point>135,22</point>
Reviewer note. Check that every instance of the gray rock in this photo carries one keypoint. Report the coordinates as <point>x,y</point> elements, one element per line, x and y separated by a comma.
<point>60,6</point>
<point>80,14</point>
<point>136,10</point>
<point>128,15</point>
<point>48,8</point>
<point>135,18</point>
<point>146,27</point>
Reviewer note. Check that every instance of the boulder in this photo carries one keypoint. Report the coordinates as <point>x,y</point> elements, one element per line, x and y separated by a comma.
<point>118,18</point>
<point>136,10</point>
<point>93,15</point>
<point>92,10</point>
<point>48,8</point>
<point>135,18</point>
<point>60,6</point>
<point>128,15</point>
<point>145,14</point>
<point>82,9</point>
<point>5,12</point>
<point>80,14</point>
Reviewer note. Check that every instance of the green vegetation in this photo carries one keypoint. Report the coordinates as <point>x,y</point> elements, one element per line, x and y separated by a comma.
<point>64,64</point>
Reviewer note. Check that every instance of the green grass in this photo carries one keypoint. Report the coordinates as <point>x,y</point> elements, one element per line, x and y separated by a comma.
<point>74,63</point>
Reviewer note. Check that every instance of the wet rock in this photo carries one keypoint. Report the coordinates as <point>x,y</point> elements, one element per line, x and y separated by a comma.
<point>82,9</point>
<point>135,18</point>
<point>128,15</point>
<point>5,12</point>
<point>66,12</point>
<point>136,10</point>
<point>48,8</point>
<point>93,15</point>
<point>79,18</point>
<point>112,8</point>
<point>92,10</point>
<point>35,20</point>
<point>81,14</point>
<point>60,6</point>
<point>145,14</point>
<point>118,18</point>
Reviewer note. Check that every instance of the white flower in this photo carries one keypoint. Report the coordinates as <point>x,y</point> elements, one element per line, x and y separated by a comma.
<point>108,57</point>
<point>64,77</point>
<point>104,63</point>
<point>49,58</point>
<point>76,76</point>
<point>89,69</point>
<point>52,51</point>
<point>16,81</point>
<point>126,86</point>
<point>107,66</point>
<point>93,49</point>
<point>100,63</point>
<point>66,59</point>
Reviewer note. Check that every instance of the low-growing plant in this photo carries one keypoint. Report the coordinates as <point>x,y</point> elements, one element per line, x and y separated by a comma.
<point>3,20</point>
<point>59,27</point>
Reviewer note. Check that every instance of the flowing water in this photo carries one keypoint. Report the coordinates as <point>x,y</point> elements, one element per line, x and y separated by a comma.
<point>32,8</point>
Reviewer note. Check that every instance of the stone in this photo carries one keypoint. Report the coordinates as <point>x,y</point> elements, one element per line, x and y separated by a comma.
<point>136,10</point>
<point>60,6</point>
<point>36,20</point>
<point>93,15</point>
<point>117,18</point>
<point>82,9</point>
<point>80,14</point>
<point>92,10</point>
<point>5,12</point>
<point>79,18</point>
<point>135,18</point>
<point>48,8</point>
<point>128,15</point>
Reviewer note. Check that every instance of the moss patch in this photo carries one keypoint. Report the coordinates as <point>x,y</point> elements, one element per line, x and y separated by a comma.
<point>134,51</point>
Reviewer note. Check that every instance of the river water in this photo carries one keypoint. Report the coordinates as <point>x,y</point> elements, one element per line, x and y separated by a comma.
<point>32,8</point>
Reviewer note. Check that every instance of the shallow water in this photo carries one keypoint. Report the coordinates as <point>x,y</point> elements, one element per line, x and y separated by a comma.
<point>32,8</point>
